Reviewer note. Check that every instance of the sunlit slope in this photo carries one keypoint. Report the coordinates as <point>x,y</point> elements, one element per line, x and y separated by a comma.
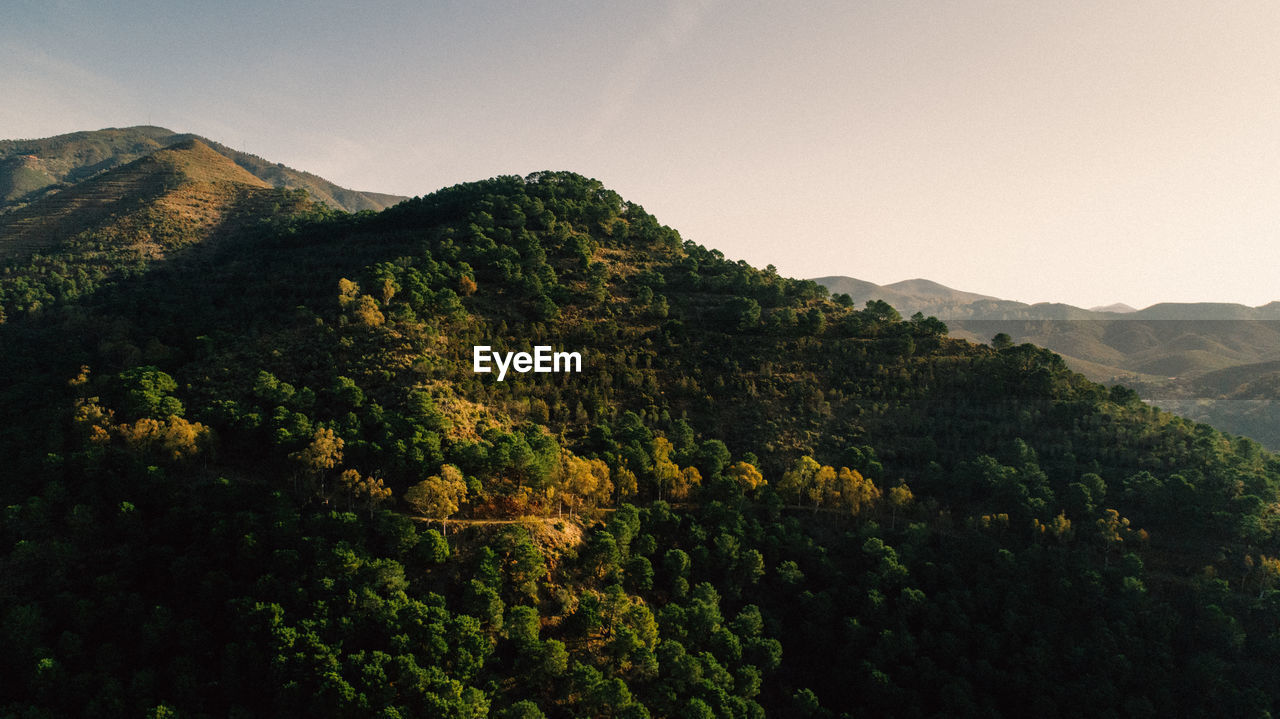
<point>36,168</point>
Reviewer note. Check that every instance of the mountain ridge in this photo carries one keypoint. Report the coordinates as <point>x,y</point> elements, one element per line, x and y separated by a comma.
<point>1174,353</point>
<point>33,168</point>
<point>946,303</point>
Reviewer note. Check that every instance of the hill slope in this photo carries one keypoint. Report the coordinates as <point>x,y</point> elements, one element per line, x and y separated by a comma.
<point>68,243</point>
<point>188,181</point>
<point>32,169</point>
<point>271,482</point>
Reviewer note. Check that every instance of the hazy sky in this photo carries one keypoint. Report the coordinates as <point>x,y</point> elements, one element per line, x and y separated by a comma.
<point>1086,152</point>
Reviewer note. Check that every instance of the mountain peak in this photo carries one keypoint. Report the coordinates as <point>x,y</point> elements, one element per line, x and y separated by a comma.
<point>1117,308</point>
<point>199,162</point>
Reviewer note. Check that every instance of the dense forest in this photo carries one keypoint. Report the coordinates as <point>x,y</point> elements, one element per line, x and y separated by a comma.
<point>258,476</point>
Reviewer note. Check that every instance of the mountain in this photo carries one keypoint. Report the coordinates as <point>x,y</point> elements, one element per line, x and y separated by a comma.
<point>261,474</point>
<point>912,294</point>
<point>68,243</point>
<point>1119,308</point>
<point>187,181</point>
<point>1163,351</point>
<point>945,303</point>
<point>32,169</point>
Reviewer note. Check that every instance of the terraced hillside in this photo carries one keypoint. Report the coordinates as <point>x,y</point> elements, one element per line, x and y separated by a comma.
<point>188,188</point>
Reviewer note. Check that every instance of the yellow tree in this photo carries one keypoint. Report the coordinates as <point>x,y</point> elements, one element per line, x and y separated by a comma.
<point>688,479</point>
<point>361,308</point>
<point>438,496</point>
<point>624,482</point>
<point>173,440</point>
<point>323,453</point>
<point>665,472</point>
<point>822,486</point>
<point>348,291</point>
<point>800,477</point>
<point>1059,527</point>
<point>365,311</point>
<point>94,420</point>
<point>182,439</point>
<point>584,482</point>
<point>388,290</point>
<point>370,490</point>
<point>857,493</point>
<point>900,498</point>
<point>746,475</point>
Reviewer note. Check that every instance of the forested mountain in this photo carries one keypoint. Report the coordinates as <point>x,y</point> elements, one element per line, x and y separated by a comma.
<point>257,474</point>
<point>1213,362</point>
<point>32,169</point>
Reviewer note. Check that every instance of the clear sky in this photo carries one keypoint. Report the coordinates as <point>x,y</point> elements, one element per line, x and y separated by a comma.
<point>1087,152</point>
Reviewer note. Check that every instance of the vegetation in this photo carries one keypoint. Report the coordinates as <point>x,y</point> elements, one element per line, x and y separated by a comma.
<point>260,478</point>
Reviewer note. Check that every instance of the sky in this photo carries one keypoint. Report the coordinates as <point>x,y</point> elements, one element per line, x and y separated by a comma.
<point>1086,152</point>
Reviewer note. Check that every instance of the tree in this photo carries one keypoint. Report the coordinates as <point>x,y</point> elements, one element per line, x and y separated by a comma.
<point>370,490</point>
<point>363,309</point>
<point>813,322</point>
<point>821,485</point>
<point>746,475</point>
<point>688,479</point>
<point>713,457</point>
<point>323,453</point>
<point>584,482</point>
<point>900,498</point>
<point>665,472</point>
<point>743,313</point>
<point>857,492</point>
<point>1111,528</point>
<point>800,477</point>
<point>172,440</point>
<point>146,393</point>
<point>1002,341</point>
<point>879,313</point>
<point>624,482</point>
<point>438,496</point>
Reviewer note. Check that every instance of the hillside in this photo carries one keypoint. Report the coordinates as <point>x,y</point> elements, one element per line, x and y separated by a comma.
<point>69,243</point>
<point>188,182</point>
<point>32,169</point>
<point>262,477</point>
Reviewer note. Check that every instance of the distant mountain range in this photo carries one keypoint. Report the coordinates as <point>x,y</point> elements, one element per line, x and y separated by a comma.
<point>945,303</point>
<point>1210,361</point>
<point>33,169</point>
